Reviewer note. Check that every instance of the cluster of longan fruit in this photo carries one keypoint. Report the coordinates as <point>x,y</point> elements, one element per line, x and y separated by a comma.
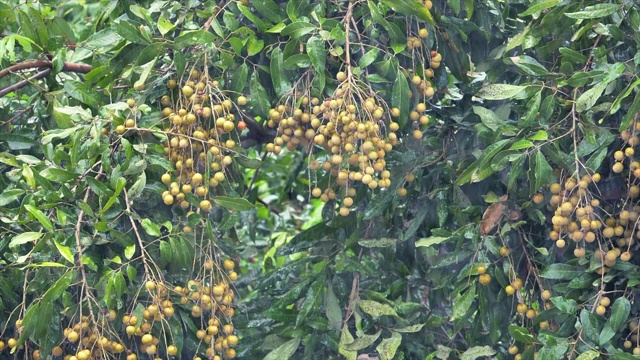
<point>633,338</point>
<point>351,127</point>
<point>201,127</point>
<point>212,303</point>
<point>88,340</point>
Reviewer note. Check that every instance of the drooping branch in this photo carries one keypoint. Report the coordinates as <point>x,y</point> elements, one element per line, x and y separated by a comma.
<point>34,64</point>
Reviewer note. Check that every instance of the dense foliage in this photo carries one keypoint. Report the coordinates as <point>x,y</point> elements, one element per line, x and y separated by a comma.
<point>319,180</point>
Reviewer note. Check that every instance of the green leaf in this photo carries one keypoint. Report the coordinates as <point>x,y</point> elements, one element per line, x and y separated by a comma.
<point>40,216</point>
<point>64,251</point>
<point>362,342</point>
<point>9,196</point>
<point>539,7</point>
<point>259,98</point>
<point>521,334</point>
<point>543,170</point>
<point>589,97</point>
<point>463,303</point>
<point>500,91</point>
<point>488,118</point>
<point>24,238</point>
<point>318,56</point>
<point>376,309</point>
<point>279,79</point>
<point>368,58</point>
<point>560,271</point>
<point>476,352</point>
<point>254,46</point>
<point>388,347</point>
<point>529,65</point>
<point>620,311</point>
<point>150,227</point>
<point>572,55</point>
<point>409,8</point>
<point>269,10</point>
<point>129,251</point>
<point>400,97</point>
<point>346,338</point>
<point>238,204</point>
<point>297,29</point>
<point>284,351</point>
<point>567,306</point>
<point>164,25</point>
<point>377,243</point>
<point>431,240</point>
<point>594,11</point>
<point>589,355</point>
<point>129,32</point>
<point>332,308</point>
<point>521,144</point>
<point>409,329</point>
<point>193,37</point>
<point>59,287</point>
<point>57,175</point>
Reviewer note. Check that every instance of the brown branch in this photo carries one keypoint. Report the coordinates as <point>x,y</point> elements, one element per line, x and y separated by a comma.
<point>23,83</point>
<point>67,67</point>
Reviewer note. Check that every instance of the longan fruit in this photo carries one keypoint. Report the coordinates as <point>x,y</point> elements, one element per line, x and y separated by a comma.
<point>601,310</point>
<point>484,279</point>
<point>546,295</point>
<point>510,290</point>
<point>617,167</point>
<point>423,33</point>
<point>538,198</point>
<point>504,251</point>
<point>481,269</point>
<point>605,301</point>
<point>513,350</point>
<point>341,76</point>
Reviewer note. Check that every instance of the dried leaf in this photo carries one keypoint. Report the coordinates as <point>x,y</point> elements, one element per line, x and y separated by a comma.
<point>493,215</point>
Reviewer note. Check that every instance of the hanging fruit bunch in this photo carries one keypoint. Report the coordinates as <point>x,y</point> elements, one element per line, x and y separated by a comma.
<point>346,135</point>
<point>201,128</point>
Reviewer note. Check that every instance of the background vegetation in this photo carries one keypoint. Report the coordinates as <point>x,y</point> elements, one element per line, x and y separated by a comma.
<point>319,180</point>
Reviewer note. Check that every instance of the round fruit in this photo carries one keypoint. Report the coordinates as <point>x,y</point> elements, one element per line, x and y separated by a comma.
<point>504,251</point>
<point>341,76</point>
<point>73,336</point>
<point>484,279</point>
<point>120,129</point>
<point>600,310</point>
<point>171,84</point>
<point>150,285</point>
<point>423,33</point>
<point>546,295</point>
<point>229,264</point>
<point>205,205</point>
<point>538,198</point>
<point>172,350</point>
<point>481,269</point>
<point>147,339</point>
<point>513,350</point>
<point>605,301</point>
<point>510,290</point>
<point>617,167</point>
<point>402,192</point>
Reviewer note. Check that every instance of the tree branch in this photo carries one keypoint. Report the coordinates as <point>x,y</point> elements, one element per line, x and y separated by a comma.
<point>67,67</point>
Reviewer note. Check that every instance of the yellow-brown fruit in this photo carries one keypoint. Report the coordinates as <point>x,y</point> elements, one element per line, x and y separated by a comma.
<point>538,198</point>
<point>617,167</point>
<point>531,314</point>
<point>555,188</point>
<point>618,155</point>
<point>601,310</point>
<point>510,290</point>
<point>147,339</point>
<point>605,301</point>
<point>560,243</point>
<point>150,285</point>
<point>484,279</point>
<point>546,295</point>
<point>579,252</point>
<point>120,129</point>
<point>73,336</point>
<point>423,33</point>
<point>172,84</point>
<point>522,308</point>
<point>625,256</point>
<point>229,264</point>
<point>341,76</point>
<point>417,134</point>
<point>481,269</point>
<point>242,100</point>
<point>131,103</point>
<point>636,350</point>
<point>513,350</point>
<point>401,192</point>
<point>504,251</point>
<point>172,350</point>
<point>205,205</point>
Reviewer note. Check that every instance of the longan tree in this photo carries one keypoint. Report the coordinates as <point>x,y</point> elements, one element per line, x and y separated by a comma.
<point>338,179</point>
